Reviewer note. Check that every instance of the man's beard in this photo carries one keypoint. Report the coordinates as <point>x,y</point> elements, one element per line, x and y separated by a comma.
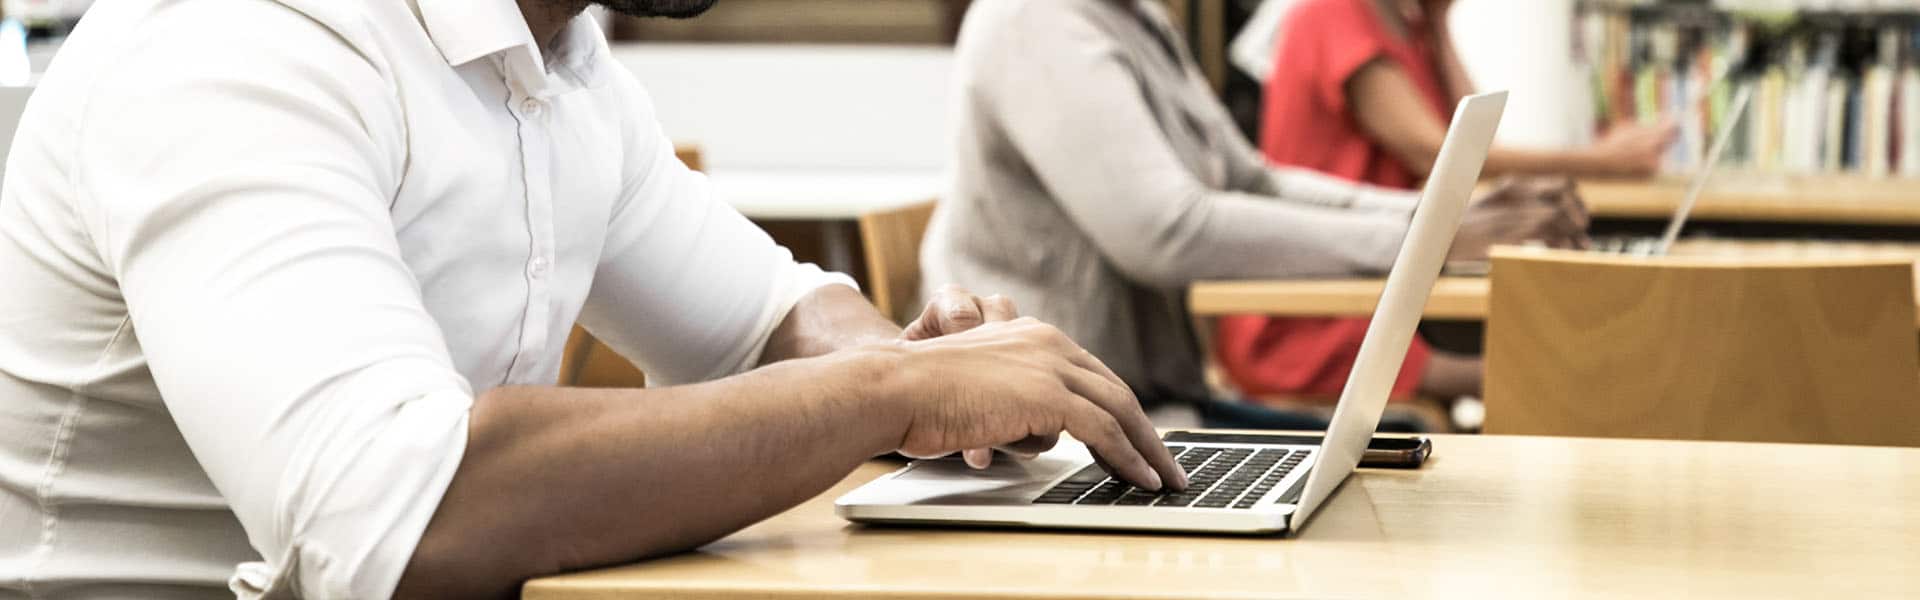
<point>673,9</point>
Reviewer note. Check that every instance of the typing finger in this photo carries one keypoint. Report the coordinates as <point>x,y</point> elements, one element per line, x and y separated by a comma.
<point>1109,443</point>
<point>1575,232</point>
<point>1576,206</point>
<point>1119,403</point>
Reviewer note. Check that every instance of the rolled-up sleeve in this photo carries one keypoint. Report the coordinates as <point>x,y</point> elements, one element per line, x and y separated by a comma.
<point>241,201</point>
<point>687,287</point>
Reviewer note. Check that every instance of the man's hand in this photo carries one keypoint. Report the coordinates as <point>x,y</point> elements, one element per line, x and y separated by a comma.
<point>954,310</point>
<point>1017,384</point>
<point>843,389</point>
<point>1518,211</point>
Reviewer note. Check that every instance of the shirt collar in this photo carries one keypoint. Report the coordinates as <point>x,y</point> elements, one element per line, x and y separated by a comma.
<point>469,30</point>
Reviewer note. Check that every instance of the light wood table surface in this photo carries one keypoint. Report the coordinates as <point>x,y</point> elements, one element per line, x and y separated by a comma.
<point>1735,196</point>
<point>1465,298</point>
<point>1490,516</point>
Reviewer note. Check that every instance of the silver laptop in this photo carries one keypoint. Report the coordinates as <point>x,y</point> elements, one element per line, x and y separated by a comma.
<point>1234,488</point>
<point>1648,245</point>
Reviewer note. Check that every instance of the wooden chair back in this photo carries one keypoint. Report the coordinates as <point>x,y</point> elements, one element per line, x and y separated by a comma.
<point>892,238</point>
<point>690,155</point>
<point>1774,350</point>
<point>588,362</point>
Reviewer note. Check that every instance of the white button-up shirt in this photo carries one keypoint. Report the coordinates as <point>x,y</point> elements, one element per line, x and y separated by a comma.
<point>258,257</point>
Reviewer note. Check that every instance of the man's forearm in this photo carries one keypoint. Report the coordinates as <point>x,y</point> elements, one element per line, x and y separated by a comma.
<point>560,479</point>
<point>830,319</point>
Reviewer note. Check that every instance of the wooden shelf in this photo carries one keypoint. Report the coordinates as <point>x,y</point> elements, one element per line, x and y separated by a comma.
<point>1772,198</point>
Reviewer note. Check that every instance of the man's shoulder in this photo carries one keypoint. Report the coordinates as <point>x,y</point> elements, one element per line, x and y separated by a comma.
<point>370,28</point>
<point>130,27</point>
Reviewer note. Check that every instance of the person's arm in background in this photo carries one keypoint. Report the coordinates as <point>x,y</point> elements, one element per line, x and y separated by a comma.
<point>1064,97</point>
<point>1248,171</point>
<point>1390,110</point>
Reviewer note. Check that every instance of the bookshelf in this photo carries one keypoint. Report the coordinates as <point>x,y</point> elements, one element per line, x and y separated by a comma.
<point>1842,200</point>
<point>1836,82</point>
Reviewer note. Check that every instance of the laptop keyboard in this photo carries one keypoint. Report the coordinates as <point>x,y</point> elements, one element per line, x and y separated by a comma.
<point>1216,478</point>
<point>1632,245</point>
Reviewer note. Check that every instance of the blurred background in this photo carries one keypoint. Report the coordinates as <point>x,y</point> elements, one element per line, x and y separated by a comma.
<point>823,120</point>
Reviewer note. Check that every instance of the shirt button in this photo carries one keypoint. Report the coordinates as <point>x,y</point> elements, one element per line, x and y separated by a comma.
<point>531,107</point>
<point>537,267</point>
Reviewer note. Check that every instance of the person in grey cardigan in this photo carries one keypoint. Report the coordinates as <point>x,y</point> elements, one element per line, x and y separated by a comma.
<point>1096,176</point>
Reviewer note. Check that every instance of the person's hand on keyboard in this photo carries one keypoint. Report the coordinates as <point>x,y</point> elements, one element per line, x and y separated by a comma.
<point>1520,211</point>
<point>1018,384</point>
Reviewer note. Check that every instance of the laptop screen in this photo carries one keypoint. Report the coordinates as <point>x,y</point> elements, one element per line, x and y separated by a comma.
<point>1442,204</point>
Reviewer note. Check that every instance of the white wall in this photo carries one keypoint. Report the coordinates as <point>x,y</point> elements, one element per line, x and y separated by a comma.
<point>1525,46</point>
<point>879,107</point>
<point>801,107</point>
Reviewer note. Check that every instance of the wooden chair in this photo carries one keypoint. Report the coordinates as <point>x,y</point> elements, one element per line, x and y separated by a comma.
<point>1765,350</point>
<point>892,238</point>
<point>690,156</point>
<point>588,362</point>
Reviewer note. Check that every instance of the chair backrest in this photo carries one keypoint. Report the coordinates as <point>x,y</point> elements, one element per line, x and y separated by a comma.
<point>588,362</point>
<point>691,156</point>
<point>1773,350</point>
<point>892,239</point>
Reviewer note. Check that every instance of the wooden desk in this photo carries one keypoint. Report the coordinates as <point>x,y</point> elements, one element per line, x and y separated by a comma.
<point>1465,298</point>
<point>1491,516</point>
<point>1736,196</point>
<point>1454,298</point>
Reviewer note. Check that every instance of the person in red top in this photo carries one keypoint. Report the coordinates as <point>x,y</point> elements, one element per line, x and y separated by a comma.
<point>1362,89</point>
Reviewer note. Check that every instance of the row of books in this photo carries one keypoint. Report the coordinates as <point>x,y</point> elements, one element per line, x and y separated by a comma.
<point>1775,6</point>
<point>1830,94</point>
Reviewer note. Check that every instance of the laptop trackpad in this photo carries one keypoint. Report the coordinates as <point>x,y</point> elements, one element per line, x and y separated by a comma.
<point>1005,470</point>
<point>1010,480</point>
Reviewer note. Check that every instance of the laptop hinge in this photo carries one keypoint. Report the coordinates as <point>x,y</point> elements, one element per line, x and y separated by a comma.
<point>1292,495</point>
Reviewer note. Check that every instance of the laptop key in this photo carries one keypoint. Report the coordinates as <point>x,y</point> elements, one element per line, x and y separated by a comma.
<point>1179,499</point>
<point>1105,494</point>
<point>1090,475</point>
<point>1137,498</point>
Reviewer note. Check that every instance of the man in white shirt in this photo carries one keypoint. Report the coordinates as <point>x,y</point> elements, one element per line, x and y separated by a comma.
<point>285,281</point>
